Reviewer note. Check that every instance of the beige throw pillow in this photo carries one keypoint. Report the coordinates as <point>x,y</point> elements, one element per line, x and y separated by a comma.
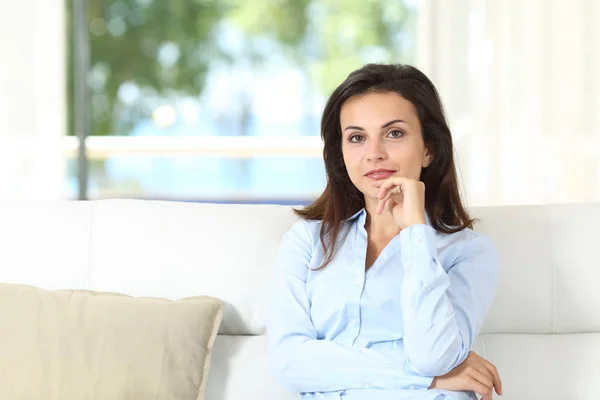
<point>80,345</point>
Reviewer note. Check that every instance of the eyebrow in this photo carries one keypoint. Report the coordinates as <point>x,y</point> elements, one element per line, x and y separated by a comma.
<point>358,128</point>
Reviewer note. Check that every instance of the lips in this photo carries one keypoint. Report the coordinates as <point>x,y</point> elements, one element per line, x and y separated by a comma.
<point>379,174</point>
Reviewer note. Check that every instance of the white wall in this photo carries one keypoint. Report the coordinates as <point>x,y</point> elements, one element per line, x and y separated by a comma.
<point>32,99</point>
<point>521,83</point>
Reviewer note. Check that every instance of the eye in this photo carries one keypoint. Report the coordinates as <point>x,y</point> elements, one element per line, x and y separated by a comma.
<point>395,133</point>
<point>356,138</point>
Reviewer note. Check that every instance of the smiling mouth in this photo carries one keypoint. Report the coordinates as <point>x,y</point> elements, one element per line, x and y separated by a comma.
<point>380,174</point>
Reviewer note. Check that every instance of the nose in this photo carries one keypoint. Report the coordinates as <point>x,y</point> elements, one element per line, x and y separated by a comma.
<point>376,150</point>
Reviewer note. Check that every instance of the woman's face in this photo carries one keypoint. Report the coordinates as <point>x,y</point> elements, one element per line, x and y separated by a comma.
<point>381,137</point>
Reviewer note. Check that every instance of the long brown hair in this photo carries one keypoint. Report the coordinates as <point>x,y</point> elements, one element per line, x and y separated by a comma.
<point>341,199</point>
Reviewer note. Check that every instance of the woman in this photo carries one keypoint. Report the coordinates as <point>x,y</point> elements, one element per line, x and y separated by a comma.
<point>383,285</point>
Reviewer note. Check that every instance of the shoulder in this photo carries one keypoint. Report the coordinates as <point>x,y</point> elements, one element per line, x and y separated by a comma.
<point>470,245</point>
<point>298,249</point>
<point>304,233</point>
<point>478,242</point>
<point>467,238</point>
<point>299,243</point>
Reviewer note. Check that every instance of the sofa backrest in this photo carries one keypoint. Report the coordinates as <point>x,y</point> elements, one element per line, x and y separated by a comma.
<point>543,331</point>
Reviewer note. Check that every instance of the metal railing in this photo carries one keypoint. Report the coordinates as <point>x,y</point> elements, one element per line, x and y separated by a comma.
<point>101,147</point>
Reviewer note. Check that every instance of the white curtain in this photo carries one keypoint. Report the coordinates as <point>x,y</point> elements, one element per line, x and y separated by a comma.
<point>32,99</point>
<point>521,84</point>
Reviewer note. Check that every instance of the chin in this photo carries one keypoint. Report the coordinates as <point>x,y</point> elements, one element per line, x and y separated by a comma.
<point>370,192</point>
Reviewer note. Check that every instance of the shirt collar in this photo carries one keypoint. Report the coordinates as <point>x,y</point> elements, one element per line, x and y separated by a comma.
<point>357,214</point>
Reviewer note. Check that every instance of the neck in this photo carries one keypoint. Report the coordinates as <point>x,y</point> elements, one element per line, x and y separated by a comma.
<point>379,225</point>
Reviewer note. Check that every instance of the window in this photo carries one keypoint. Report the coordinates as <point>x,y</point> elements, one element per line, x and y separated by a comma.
<point>221,100</point>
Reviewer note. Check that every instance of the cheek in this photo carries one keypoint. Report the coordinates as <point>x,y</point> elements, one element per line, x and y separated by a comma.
<point>407,155</point>
<point>409,162</point>
<point>352,162</point>
<point>349,158</point>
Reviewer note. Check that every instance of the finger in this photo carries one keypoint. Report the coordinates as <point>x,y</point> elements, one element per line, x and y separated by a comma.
<point>381,201</point>
<point>390,183</point>
<point>483,376</point>
<point>384,189</point>
<point>495,375</point>
<point>390,204</point>
<point>385,204</point>
<point>389,194</point>
<point>479,388</point>
<point>493,371</point>
<point>481,362</point>
<point>380,206</point>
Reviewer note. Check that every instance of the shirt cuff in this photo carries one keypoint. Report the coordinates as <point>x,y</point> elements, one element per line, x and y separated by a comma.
<point>420,383</point>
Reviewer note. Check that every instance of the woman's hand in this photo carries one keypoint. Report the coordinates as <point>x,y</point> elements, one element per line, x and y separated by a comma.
<point>404,198</point>
<point>475,374</point>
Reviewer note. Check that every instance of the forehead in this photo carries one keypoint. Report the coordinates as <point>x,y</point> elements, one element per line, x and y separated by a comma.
<point>377,107</point>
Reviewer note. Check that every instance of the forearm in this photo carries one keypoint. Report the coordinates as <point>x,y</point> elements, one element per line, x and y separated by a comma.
<point>432,337</point>
<point>433,341</point>
<point>325,366</point>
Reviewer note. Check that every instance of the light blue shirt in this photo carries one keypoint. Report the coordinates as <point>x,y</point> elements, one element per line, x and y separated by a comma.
<point>383,334</point>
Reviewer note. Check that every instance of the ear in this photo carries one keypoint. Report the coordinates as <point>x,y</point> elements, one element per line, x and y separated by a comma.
<point>427,158</point>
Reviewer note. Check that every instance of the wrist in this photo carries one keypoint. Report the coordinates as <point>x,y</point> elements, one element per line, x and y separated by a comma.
<point>418,219</point>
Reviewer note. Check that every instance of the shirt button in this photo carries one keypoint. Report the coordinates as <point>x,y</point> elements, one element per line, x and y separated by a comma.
<point>368,383</point>
<point>418,240</point>
<point>412,387</point>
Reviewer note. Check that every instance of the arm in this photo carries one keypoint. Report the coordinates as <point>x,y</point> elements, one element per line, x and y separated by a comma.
<point>297,358</point>
<point>443,311</point>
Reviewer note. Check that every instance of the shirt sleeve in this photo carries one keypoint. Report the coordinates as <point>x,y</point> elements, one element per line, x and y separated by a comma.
<point>443,311</point>
<point>300,361</point>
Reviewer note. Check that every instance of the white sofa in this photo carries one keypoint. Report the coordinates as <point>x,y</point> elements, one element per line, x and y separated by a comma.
<point>543,332</point>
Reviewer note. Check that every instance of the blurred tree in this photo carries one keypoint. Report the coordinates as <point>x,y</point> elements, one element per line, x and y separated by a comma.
<point>143,51</point>
<point>330,38</point>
